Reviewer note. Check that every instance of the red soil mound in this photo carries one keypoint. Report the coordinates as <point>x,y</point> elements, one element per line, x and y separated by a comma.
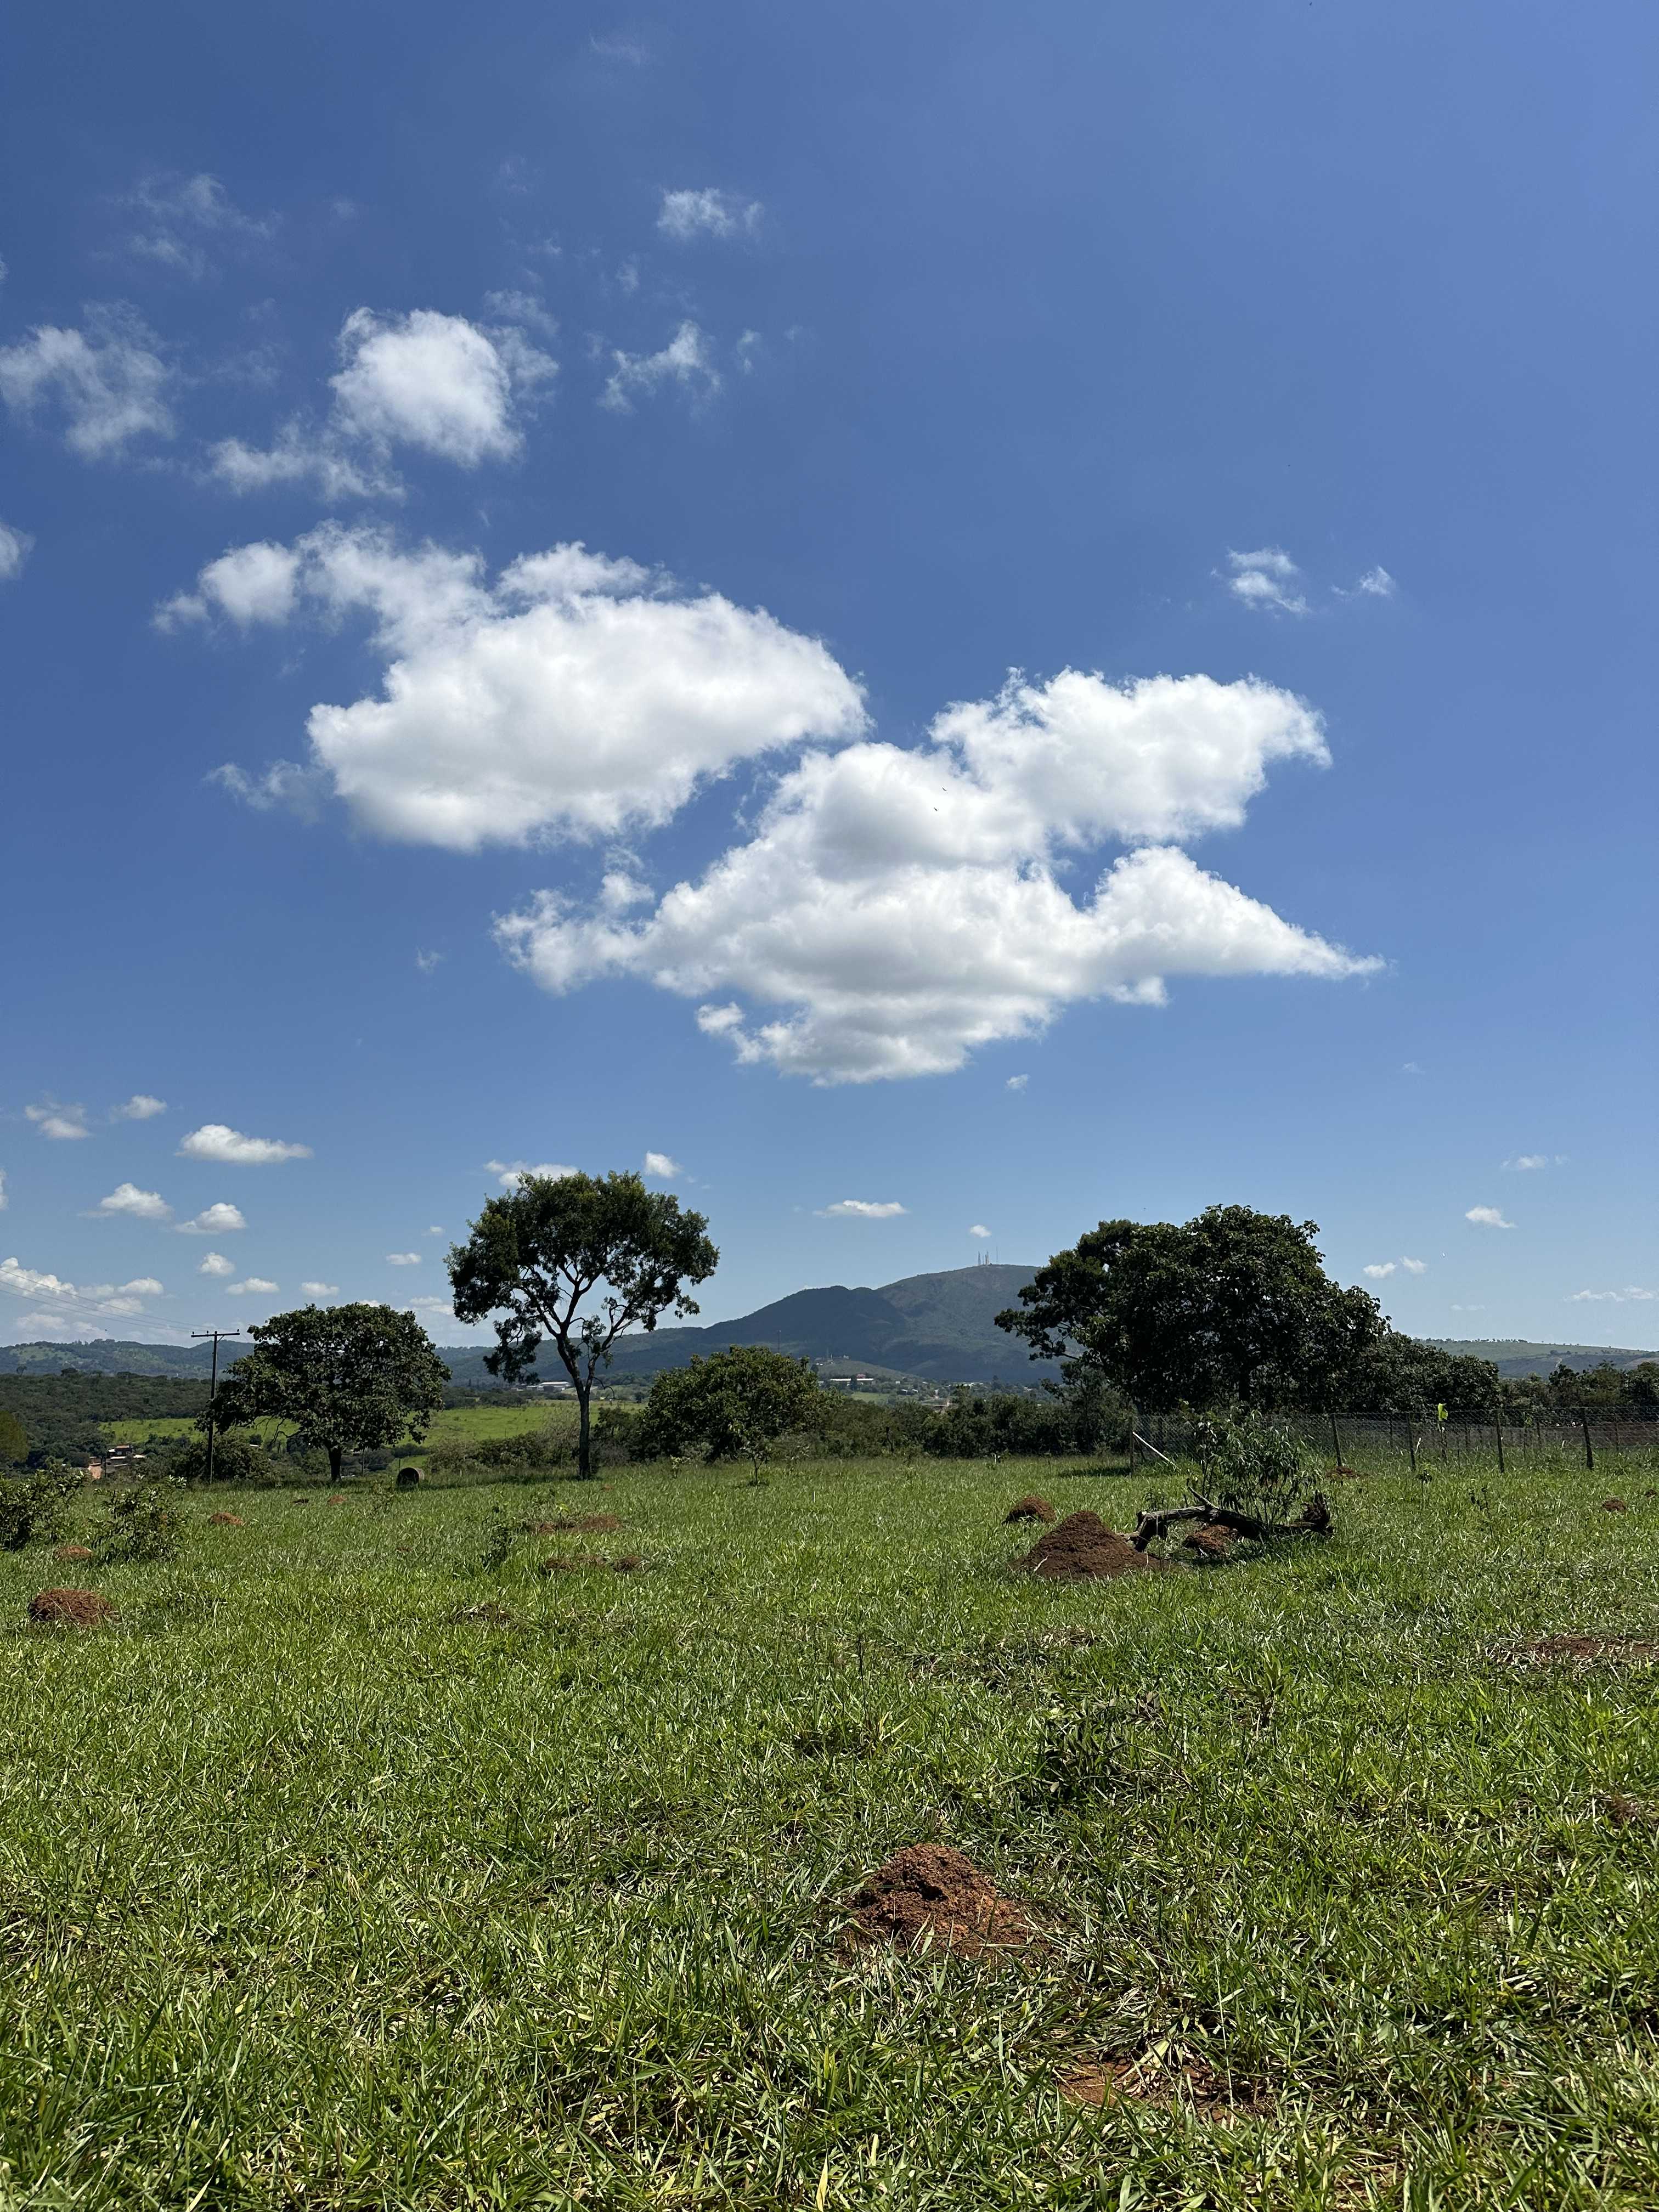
<point>71,1608</point>
<point>1030,1509</point>
<point>1614,1505</point>
<point>71,1552</point>
<point>929,1892</point>
<point>584,1524</point>
<point>1082,1548</point>
<point>337,1497</point>
<point>1209,1540</point>
<point>227,1520</point>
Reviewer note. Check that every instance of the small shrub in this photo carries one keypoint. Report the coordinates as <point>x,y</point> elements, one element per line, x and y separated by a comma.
<point>1253,1466</point>
<point>145,1523</point>
<point>235,1459</point>
<point>35,1507</point>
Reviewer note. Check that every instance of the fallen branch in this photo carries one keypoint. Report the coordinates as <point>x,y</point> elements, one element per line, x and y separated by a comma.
<point>1314,1520</point>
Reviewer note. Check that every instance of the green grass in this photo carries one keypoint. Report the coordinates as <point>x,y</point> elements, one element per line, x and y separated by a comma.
<point>312,1895</point>
<point>455,1424</point>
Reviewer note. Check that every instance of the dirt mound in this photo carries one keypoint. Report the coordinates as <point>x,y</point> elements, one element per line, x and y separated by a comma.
<point>71,1608</point>
<point>576,1524</point>
<point>337,1497</point>
<point>1343,1474</point>
<point>930,1894</point>
<point>1614,1505</point>
<point>1030,1509</point>
<point>1634,1647</point>
<point>1209,1540</point>
<point>1082,1548</point>
<point>226,1520</point>
<point>71,1552</point>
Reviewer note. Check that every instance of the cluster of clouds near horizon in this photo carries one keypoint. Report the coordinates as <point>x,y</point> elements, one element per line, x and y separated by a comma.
<point>893,909</point>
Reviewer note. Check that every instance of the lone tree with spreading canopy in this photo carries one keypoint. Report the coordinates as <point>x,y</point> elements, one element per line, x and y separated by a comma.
<point>1233,1308</point>
<point>350,1378</point>
<point>538,1256</point>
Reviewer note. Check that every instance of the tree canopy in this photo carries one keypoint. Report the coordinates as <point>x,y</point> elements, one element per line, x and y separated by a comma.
<point>735,1404</point>
<point>579,1258</point>
<point>1231,1308</point>
<point>350,1378</point>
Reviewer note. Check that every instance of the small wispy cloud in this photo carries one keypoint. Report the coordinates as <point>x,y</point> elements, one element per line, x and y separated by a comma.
<point>426,961</point>
<point>709,213</point>
<point>62,1123</point>
<point>1375,584</point>
<point>688,360</point>
<point>403,1259</point>
<point>1488,1217</point>
<point>317,1290</point>
<point>1415,1266</point>
<point>180,217</point>
<point>1267,579</point>
<point>1017,1083</point>
<point>16,546</point>
<point>1524,1161</point>
<point>1378,1269</point>
<point>660,1166</point>
<point>140,1107</point>
<point>511,1173</point>
<point>1633,1294</point>
<point>861,1209</point>
<point>254,1286</point>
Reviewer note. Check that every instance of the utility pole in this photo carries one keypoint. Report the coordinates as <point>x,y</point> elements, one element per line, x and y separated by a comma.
<point>213,1386</point>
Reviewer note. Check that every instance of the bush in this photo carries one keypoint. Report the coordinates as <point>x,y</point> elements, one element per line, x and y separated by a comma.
<point>1255,1466</point>
<point>35,1507</point>
<point>145,1523</point>
<point>235,1459</point>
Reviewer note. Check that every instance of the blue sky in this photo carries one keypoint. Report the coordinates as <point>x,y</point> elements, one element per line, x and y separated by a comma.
<point>518,525</point>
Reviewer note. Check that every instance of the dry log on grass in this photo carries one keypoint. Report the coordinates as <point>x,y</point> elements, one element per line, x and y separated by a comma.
<point>1314,1520</point>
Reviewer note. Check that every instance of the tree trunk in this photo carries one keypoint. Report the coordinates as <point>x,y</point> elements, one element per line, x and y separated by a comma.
<point>335,1453</point>
<point>584,1437</point>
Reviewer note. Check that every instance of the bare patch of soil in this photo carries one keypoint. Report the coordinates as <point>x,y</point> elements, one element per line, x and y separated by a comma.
<point>582,1524</point>
<point>1082,1548</point>
<point>1585,1649</point>
<point>1030,1509</point>
<point>1210,1541</point>
<point>1614,1505</point>
<point>71,1552</point>
<point>71,1608</point>
<point>1343,1474</point>
<point>932,1893</point>
<point>227,1520</point>
<point>337,1497</point>
<point>1623,1811</point>
<point>1160,2075</point>
<point>487,1615</point>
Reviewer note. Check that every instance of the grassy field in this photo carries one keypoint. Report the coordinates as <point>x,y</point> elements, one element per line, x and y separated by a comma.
<point>316,1892</point>
<point>470,1425</point>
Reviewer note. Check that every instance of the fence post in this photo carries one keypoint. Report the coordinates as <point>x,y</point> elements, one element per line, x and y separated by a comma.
<point>1498,1431</point>
<point>1589,1448</point>
<point>1411,1440</point>
<point>1336,1439</point>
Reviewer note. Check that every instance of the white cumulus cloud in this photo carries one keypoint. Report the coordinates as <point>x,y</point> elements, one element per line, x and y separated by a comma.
<point>1379,1269</point>
<point>403,1259</point>
<point>659,1165</point>
<point>216,1264</point>
<point>1268,580</point>
<point>1488,1217</point>
<point>16,546</point>
<point>574,695</point>
<point>65,1302</point>
<point>708,213</point>
<point>318,1290</point>
<point>214,1221</point>
<point>1415,1266</point>
<point>861,1209</point>
<point>979,1228</point>
<point>902,907</point>
<point>435,383</point>
<point>142,1205</point>
<point>107,388</point>
<point>140,1107</point>
<point>214,1140</point>
<point>687,361</point>
<point>1525,1163</point>
<point>254,1286</point>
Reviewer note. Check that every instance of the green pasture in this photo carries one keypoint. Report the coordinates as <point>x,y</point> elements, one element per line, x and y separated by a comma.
<point>362,1865</point>
<point>455,1424</point>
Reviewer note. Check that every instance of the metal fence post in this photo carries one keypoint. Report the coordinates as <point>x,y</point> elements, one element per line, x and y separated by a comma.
<point>1589,1448</point>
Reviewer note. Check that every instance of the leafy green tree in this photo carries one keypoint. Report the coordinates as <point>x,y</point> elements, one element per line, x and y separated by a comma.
<point>1231,1308</point>
<point>579,1258</point>
<point>14,1443</point>
<point>350,1378</point>
<point>1400,1373</point>
<point>735,1404</point>
<point>235,1459</point>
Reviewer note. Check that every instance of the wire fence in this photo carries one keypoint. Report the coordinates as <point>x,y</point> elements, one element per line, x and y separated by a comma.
<point>1464,1434</point>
